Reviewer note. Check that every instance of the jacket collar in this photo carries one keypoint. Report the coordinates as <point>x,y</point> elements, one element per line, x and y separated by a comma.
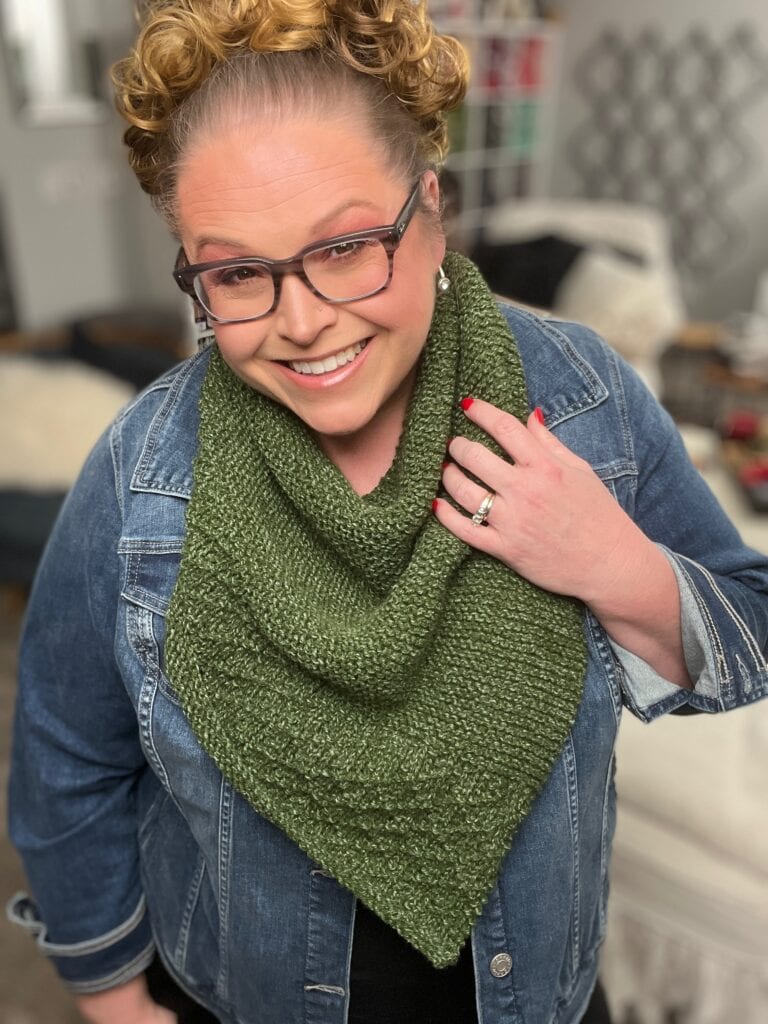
<point>557,375</point>
<point>168,453</point>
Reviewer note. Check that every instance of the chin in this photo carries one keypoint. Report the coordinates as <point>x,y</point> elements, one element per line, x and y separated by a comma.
<point>335,428</point>
<point>337,423</point>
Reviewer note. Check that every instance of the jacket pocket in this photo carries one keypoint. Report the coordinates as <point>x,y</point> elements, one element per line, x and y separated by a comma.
<point>151,570</point>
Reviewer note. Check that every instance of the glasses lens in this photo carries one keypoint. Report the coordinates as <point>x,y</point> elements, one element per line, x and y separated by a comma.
<point>348,270</point>
<point>236,293</point>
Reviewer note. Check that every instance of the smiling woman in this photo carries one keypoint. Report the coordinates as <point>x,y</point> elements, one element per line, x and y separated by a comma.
<point>348,605</point>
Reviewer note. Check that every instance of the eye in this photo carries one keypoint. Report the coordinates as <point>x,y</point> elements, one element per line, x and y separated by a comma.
<point>346,250</point>
<point>237,275</point>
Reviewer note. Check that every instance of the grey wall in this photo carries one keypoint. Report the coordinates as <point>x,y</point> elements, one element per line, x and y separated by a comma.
<point>79,234</point>
<point>82,237</point>
<point>731,285</point>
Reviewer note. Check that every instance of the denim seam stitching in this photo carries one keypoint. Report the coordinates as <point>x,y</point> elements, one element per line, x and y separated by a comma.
<point>746,636</point>
<point>605,845</point>
<point>175,387</point>
<point>608,660</point>
<point>596,389</point>
<point>146,546</point>
<point>620,400</point>
<point>158,421</point>
<point>226,800</point>
<point>571,780</point>
<point>721,665</point>
<point>116,454</point>
<point>145,637</point>
<point>145,599</point>
<point>618,469</point>
<point>185,928</point>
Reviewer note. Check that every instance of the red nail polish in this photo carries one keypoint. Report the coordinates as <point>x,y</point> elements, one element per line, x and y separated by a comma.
<point>466,402</point>
<point>435,504</point>
<point>539,415</point>
<point>445,463</point>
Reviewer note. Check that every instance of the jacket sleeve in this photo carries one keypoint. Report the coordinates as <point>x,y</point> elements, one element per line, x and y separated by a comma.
<point>77,760</point>
<point>723,584</point>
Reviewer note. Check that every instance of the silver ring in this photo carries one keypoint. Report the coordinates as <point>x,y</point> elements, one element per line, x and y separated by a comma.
<point>485,508</point>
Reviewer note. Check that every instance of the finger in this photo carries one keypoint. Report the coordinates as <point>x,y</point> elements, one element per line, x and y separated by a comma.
<point>480,461</point>
<point>480,537</point>
<point>510,433</point>
<point>465,492</point>
<point>538,430</point>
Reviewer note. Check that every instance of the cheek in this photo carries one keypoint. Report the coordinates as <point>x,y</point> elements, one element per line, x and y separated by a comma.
<point>239,342</point>
<point>410,300</point>
<point>419,302</point>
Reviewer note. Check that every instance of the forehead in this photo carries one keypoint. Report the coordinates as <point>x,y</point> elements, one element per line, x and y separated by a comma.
<point>271,189</point>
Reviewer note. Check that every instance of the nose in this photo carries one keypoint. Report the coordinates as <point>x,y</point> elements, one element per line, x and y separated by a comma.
<point>301,315</point>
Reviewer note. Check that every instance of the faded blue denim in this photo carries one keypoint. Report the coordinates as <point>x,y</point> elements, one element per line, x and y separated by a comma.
<point>133,841</point>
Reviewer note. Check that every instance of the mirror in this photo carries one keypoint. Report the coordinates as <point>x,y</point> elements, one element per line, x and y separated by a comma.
<point>53,54</point>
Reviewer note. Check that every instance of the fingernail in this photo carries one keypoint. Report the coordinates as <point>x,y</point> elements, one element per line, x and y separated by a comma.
<point>446,463</point>
<point>435,503</point>
<point>466,402</point>
<point>539,415</point>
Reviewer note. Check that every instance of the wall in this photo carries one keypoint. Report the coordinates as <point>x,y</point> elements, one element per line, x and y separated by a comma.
<point>79,234</point>
<point>730,286</point>
<point>82,236</point>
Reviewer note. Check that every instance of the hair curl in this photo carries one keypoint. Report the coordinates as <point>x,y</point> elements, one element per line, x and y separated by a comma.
<point>181,42</point>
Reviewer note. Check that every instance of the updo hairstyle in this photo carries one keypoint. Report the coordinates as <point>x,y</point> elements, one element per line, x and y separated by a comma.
<point>201,65</point>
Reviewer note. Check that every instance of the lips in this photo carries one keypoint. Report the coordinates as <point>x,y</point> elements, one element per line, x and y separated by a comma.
<point>329,363</point>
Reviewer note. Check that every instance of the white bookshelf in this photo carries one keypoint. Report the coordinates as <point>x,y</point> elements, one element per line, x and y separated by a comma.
<point>502,136</point>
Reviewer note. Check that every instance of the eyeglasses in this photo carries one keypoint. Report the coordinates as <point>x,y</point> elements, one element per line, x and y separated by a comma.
<point>344,268</point>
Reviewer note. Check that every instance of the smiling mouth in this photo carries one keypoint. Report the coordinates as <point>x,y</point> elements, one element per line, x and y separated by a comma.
<point>336,361</point>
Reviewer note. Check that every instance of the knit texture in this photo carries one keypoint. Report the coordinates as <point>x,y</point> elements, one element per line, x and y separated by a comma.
<point>390,698</point>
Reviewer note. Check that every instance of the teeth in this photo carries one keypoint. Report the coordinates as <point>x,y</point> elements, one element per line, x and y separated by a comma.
<point>331,362</point>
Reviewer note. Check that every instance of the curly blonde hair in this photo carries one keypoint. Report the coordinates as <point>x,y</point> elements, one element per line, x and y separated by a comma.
<point>196,60</point>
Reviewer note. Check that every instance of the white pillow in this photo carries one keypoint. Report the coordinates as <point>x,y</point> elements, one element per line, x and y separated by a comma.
<point>51,414</point>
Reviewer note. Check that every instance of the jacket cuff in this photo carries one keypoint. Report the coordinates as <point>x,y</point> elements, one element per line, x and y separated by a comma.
<point>92,965</point>
<point>722,657</point>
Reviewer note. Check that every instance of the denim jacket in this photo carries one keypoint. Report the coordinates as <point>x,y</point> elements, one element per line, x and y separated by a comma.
<point>133,841</point>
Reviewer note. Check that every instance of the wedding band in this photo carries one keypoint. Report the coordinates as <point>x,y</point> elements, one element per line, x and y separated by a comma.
<point>485,507</point>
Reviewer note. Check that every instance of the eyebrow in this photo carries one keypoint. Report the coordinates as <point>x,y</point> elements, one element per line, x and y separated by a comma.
<point>318,228</point>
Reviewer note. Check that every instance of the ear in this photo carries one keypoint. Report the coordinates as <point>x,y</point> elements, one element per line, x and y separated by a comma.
<point>430,193</point>
<point>430,190</point>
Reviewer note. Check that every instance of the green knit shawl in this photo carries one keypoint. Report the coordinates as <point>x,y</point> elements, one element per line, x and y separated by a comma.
<point>390,698</point>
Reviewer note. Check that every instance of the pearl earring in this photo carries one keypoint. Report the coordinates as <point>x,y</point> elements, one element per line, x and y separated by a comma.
<point>443,281</point>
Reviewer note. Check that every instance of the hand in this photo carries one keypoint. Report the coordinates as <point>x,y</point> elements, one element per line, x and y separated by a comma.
<point>553,520</point>
<point>126,1004</point>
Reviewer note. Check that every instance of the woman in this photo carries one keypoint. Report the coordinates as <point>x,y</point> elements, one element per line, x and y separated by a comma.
<point>323,667</point>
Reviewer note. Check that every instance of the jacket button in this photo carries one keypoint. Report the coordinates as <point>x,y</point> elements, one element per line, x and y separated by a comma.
<point>501,965</point>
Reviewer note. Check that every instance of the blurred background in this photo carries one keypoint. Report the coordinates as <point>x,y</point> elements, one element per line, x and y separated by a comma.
<point>610,164</point>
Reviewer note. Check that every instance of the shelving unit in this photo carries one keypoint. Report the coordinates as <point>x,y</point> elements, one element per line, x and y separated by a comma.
<point>501,137</point>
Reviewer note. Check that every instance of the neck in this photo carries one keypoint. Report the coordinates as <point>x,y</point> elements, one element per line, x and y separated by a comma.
<point>366,455</point>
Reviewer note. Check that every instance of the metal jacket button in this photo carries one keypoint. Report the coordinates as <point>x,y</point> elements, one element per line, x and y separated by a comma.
<point>501,965</point>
